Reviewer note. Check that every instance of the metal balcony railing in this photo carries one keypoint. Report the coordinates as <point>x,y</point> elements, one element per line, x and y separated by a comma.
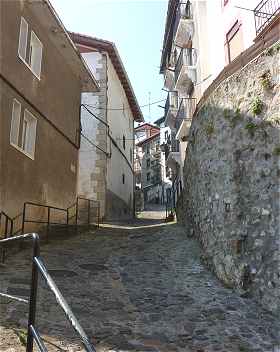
<point>175,144</point>
<point>184,11</point>
<point>187,57</point>
<point>186,109</point>
<point>265,12</point>
<point>171,102</point>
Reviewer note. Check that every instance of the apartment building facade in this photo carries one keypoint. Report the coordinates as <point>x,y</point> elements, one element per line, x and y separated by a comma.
<point>196,48</point>
<point>107,137</point>
<point>41,79</point>
<point>151,171</point>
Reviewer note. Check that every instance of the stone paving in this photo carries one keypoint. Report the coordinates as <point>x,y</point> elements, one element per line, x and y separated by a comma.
<point>139,287</point>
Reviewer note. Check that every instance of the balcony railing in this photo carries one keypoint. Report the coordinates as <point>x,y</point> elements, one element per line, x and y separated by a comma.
<point>265,12</point>
<point>184,11</point>
<point>186,109</point>
<point>173,143</point>
<point>171,102</point>
<point>187,57</point>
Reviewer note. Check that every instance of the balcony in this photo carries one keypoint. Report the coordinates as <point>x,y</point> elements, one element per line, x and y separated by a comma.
<point>168,79</point>
<point>185,71</point>
<point>184,118</point>
<point>264,13</point>
<point>171,108</point>
<point>184,24</point>
<point>174,152</point>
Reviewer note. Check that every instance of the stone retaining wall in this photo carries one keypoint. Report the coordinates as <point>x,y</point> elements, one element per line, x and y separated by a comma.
<point>231,174</point>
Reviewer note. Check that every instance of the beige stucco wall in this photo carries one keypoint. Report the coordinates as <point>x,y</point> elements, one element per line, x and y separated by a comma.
<point>54,100</point>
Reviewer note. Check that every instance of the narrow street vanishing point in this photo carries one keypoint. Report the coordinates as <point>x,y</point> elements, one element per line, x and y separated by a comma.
<point>137,287</point>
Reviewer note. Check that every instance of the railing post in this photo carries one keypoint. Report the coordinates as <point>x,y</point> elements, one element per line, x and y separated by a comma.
<point>98,215</point>
<point>23,218</point>
<point>77,210</point>
<point>33,295</point>
<point>6,226</point>
<point>67,216</point>
<point>12,227</point>
<point>88,212</point>
<point>48,224</point>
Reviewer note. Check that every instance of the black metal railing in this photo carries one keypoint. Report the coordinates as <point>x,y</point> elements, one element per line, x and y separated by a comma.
<point>184,11</point>
<point>265,12</point>
<point>171,102</point>
<point>69,213</point>
<point>79,213</point>
<point>186,109</point>
<point>187,57</point>
<point>38,267</point>
<point>173,195</point>
<point>6,226</point>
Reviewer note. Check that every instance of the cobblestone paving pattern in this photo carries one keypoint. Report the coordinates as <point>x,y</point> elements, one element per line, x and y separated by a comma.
<point>134,289</point>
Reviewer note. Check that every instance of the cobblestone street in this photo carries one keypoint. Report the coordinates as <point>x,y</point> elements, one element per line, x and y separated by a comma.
<point>139,287</point>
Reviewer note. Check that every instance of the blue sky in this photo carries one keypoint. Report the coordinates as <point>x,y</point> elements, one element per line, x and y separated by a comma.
<point>137,29</point>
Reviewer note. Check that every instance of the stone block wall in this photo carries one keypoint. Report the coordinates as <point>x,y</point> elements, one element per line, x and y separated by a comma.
<point>231,174</point>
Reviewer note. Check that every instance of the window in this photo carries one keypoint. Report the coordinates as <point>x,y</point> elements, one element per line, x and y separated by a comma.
<point>166,135</point>
<point>30,54</point>
<point>23,35</point>
<point>234,42</point>
<point>29,133</point>
<point>148,176</point>
<point>27,128</point>
<point>148,163</point>
<point>123,142</point>
<point>123,179</point>
<point>35,54</point>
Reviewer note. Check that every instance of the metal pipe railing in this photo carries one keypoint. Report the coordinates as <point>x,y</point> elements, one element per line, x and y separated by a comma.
<point>9,222</point>
<point>38,266</point>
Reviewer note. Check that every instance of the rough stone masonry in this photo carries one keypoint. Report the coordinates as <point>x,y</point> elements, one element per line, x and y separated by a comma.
<point>231,173</point>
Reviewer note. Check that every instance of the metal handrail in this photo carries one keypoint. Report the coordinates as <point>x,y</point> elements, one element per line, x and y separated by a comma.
<point>10,229</point>
<point>8,221</point>
<point>264,13</point>
<point>38,266</point>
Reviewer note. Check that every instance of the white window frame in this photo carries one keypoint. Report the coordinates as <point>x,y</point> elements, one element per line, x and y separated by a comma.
<point>15,124</point>
<point>28,128</point>
<point>28,55</point>
<point>23,41</point>
<point>29,134</point>
<point>34,61</point>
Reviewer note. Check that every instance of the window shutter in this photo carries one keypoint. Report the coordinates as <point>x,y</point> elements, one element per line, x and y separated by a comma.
<point>15,122</point>
<point>36,49</point>
<point>23,34</point>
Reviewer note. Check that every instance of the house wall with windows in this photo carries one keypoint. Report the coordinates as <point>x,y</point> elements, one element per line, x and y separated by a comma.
<point>40,92</point>
<point>120,178</point>
<point>201,38</point>
<point>220,42</point>
<point>106,156</point>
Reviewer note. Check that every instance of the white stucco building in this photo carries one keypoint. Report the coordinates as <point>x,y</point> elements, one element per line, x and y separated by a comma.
<point>201,38</point>
<point>107,134</point>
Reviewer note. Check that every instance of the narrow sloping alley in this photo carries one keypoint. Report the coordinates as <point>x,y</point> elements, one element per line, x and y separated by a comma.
<point>136,287</point>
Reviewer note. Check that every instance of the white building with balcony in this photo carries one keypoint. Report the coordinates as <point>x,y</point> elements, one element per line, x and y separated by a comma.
<point>201,38</point>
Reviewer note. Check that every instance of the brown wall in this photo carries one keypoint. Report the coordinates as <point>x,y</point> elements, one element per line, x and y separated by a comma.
<point>48,178</point>
<point>57,93</point>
